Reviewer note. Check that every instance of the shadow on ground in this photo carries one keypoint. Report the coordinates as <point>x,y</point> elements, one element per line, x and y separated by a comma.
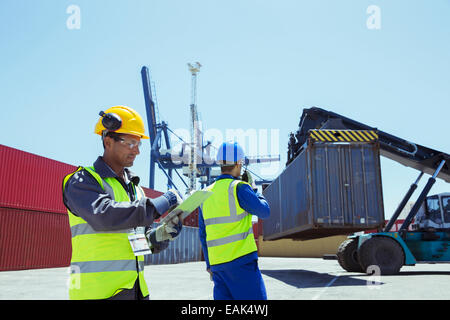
<point>422,273</point>
<point>311,279</point>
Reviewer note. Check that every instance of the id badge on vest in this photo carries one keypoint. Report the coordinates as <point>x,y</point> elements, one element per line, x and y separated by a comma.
<point>138,242</point>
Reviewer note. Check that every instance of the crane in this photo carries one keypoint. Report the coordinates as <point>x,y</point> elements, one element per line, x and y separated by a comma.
<point>428,238</point>
<point>194,153</point>
<point>194,69</point>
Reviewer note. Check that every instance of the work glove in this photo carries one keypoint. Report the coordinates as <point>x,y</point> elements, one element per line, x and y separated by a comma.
<point>154,245</point>
<point>168,230</point>
<point>175,198</point>
<point>247,177</point>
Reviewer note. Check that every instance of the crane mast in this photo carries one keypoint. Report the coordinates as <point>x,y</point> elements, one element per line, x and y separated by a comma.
<point>194,69</point>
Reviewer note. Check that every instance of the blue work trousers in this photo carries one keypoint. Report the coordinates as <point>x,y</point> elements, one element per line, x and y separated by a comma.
<point>239,282</point>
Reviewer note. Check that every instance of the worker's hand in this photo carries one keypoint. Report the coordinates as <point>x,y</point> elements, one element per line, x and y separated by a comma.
<point>154,245</point>
<point>247,177</point>
<point>175,198</point>
<point>174,226</point>
<point>178,195</point>
<point>168,230</point>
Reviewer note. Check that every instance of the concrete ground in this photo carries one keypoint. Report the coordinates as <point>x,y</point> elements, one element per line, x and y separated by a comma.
<point>285,279</point>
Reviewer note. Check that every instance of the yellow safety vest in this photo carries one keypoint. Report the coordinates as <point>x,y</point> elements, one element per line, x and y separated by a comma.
<point>103,262</point>
<point>229,232</point>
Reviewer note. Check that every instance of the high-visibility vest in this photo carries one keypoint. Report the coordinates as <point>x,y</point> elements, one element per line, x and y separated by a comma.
<point>103,262</point>
<point>229,232</point>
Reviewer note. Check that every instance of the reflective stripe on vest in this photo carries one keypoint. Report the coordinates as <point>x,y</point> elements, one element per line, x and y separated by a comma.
<point>103,263</point>
<point>106,266</point>
<point>85,228</point>
<point>229,239</point>
<point>234,216</point>
<point>229,231</point>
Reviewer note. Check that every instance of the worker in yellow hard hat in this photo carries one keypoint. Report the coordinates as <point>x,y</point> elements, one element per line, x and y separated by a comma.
<point>121,119</point>
<point>110,216</point>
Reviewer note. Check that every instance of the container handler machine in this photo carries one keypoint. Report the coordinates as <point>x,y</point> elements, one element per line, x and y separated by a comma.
<point>427,239</point>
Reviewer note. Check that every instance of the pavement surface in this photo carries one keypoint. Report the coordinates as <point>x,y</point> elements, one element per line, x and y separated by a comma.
<point>285,279</point>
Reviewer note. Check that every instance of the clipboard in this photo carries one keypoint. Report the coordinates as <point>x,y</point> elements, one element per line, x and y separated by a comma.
<point>187,206</point>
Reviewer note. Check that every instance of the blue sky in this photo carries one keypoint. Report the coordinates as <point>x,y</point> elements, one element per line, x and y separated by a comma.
<point>263,62</point>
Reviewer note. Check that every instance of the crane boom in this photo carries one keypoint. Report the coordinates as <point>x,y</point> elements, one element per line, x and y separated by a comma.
<point>402,151</point>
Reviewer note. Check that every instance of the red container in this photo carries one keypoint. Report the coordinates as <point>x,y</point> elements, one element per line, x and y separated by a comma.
<point>395,227</point>
<point>150,193</point>
<point>31,182</point>
<point>192,219</point>
<point>34,227</point>
<point>257,228</point>
<point>31,239</point>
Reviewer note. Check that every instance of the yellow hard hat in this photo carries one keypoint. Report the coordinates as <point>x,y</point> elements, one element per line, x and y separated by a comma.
<point>121,119</point>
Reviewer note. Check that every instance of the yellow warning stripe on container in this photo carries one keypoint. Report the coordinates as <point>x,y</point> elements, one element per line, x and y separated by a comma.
<point>328,135</point>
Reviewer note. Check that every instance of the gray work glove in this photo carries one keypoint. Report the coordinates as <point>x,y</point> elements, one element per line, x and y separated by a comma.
<point>154,245</point>
<point>168,230</point>
<point>175,198</point>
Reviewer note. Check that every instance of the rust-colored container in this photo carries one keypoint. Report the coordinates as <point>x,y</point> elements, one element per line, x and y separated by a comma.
<point>34,227</point>
<point>32,239</point>
<point>150,193</point>
<point>192,219</point>
<point>31,182</point>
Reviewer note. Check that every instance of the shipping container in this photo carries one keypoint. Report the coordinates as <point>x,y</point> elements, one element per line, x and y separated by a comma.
<point>33,239</point>
<point>192,219</point>
<point>150,193</point>
<point>34,227</point>
<point>31,182</point>
<point>185,248</point>
<point>328,189</point>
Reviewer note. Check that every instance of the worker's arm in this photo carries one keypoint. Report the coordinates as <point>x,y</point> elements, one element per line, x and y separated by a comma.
<point>252,202</point>
<point>202,236</point>
<point>84,197</point>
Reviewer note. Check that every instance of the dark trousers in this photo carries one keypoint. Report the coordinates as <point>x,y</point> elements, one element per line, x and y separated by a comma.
<point>130,294</point>
<point>239,282</point>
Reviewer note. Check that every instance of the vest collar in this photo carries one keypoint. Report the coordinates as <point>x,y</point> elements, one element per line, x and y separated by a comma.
<point>105,171</point>
<point>225,176</point>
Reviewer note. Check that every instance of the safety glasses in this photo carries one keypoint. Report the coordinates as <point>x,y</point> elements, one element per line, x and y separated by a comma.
<point>131,144</point>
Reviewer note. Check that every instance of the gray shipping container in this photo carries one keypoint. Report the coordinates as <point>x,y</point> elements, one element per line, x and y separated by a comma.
<point>328,189</point>
<point>185,248</point>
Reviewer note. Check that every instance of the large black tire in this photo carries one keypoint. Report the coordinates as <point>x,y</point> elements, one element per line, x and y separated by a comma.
<point>347,255</point>
<point>381,253</point>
